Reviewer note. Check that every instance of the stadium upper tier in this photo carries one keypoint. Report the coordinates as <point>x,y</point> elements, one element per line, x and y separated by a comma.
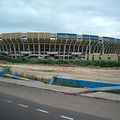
<point>57,45</point>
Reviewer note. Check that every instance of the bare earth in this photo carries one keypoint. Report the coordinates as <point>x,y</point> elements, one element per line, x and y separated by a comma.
<point>48,71</point>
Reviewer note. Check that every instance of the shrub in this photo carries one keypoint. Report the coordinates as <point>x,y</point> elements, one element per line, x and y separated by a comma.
<point>7,69</point>
<point>61,62</point>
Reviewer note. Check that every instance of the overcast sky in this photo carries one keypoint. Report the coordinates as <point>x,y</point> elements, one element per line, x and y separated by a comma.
<point>99,17</point>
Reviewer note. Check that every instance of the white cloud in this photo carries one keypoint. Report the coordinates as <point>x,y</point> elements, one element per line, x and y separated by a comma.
<point>101,22</point>
<point>78,16</point>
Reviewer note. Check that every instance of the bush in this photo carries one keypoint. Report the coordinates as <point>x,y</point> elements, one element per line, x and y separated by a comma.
<point>32,77</point>
<point>61,62</point>
<point>7,69</point>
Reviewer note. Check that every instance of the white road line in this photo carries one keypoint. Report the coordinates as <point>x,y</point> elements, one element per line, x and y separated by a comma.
<point>65,117</point>
<point>8,101</point>
<point>44,111</point>
<point>23,105</point>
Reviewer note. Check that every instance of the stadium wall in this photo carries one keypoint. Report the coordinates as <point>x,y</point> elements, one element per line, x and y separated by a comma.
<point>63,46</point>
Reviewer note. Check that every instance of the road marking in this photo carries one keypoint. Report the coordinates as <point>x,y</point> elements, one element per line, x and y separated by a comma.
<point>8,101</point>
<point>44,111</point>
<point>23,105</point>
<point>65,117</point>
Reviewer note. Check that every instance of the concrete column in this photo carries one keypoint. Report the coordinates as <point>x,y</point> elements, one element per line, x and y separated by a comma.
<point>74,46</point>
<point>18,46</point>
<point>2,46</point>
<point>79,46</point>
<point>89,53</point>
<point>86,50</point>
<point>6,47</point>
<point>9,46</point>
<point>39,46</point>
<point>103,47</point>
<point>28,45</point>
<point>95,45</point>
<point>50,46</point>
<point>60,48</point>
<point>64,49</point>
<point>13,46</point>
<point>23,45</point>
<point>55,44</point>
<point>98,47</point>
<point>69,49</point>
<point>39,50</point>
<point>33,46</point>
<point>44,47</point>
<point>109,49</point>
<point>83,46</point>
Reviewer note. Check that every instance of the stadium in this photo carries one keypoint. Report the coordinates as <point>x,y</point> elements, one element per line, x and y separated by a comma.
<point>62,46</point>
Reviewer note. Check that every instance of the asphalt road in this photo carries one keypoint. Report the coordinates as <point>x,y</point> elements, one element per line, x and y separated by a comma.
<point>52,105</point>
<point>15,108</point>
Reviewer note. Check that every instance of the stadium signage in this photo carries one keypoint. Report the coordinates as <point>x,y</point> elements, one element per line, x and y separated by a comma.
<point>90,37</point>
<point>108,38</point>
<point>66,36</point>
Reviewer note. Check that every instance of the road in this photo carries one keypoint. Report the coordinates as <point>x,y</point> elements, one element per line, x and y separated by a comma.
<point>20,102</point>
<point>15,108</point>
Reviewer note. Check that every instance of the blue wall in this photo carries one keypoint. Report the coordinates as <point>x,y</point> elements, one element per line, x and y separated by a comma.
<point>82,83</point>
<point>3,73</point>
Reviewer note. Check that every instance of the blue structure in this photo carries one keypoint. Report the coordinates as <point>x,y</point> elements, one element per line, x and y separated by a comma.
<point>7,74</point>
<point>90,37</point>
<point>66,36</point>
<point>82,83</point>
<point>3,73</point>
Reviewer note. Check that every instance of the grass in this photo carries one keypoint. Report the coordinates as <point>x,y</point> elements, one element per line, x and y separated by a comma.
<point>66,84</point>
<point>6,69</point>
<point>24,75</point>
<point>61,62</point>
<point>32,77</point>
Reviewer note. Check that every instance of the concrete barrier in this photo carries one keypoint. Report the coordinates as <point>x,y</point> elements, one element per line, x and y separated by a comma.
<point>7,74</point>
<point>109,88</point>
<point>82,83</point>
<point>3,73</point>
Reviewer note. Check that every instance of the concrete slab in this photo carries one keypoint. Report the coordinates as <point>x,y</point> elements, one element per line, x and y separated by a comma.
<point>103,95</point>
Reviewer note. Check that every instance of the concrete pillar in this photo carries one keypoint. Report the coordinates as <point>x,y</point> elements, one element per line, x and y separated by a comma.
<point>64,49</point>
<point>13,45</point>
<point>44,47</point>
<point>69,49</point>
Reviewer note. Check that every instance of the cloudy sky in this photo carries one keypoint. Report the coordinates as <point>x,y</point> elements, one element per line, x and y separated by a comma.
<point>99,17</point>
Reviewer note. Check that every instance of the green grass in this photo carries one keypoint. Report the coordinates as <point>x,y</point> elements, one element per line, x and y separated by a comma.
<point>61,62</point>
<point>24,75</point>
<point>66,84</point>
<point>6,69</point>
<point>32,77</point>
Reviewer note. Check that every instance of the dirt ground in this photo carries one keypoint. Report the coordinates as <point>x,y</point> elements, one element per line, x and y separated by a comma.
<point>48,71</point>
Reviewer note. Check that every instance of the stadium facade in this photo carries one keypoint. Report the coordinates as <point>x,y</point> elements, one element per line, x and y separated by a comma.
<point>65,46</point>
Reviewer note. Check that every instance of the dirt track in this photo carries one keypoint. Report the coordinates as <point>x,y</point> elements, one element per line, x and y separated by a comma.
<point>48,71</point>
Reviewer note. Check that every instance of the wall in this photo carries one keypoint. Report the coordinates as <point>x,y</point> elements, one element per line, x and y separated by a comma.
<point>82,83</point>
